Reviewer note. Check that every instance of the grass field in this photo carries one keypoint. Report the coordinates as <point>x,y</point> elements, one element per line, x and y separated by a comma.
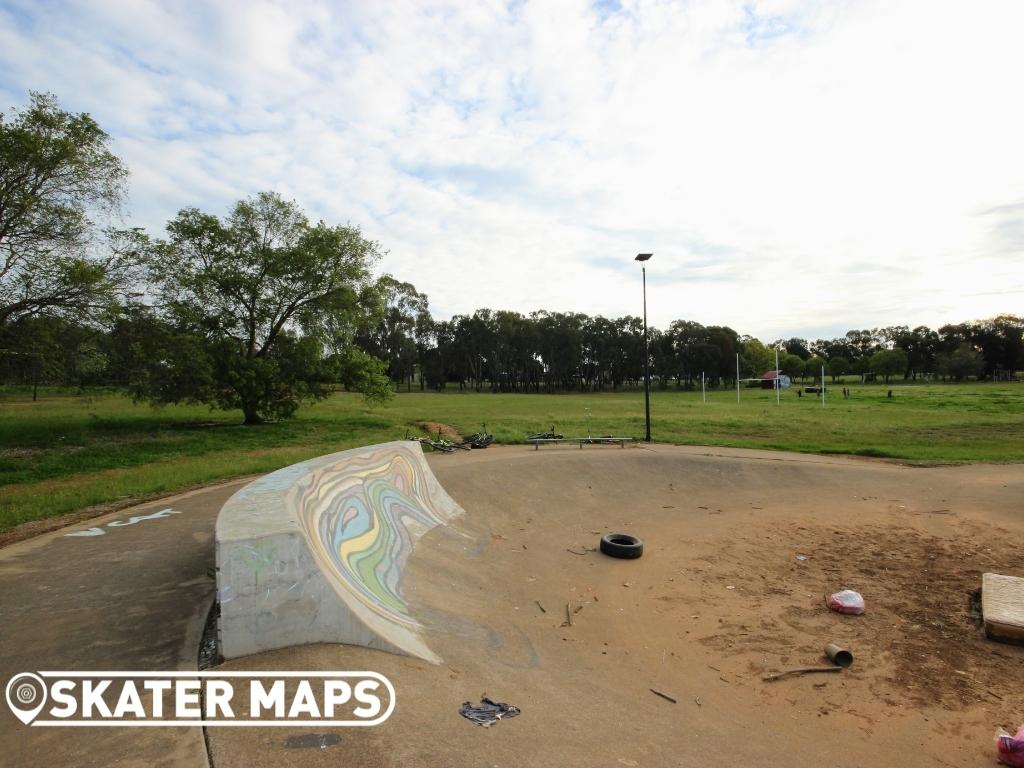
<point>66,452</point>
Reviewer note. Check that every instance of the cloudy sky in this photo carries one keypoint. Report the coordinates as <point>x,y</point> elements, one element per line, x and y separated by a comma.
<point>797,168</point>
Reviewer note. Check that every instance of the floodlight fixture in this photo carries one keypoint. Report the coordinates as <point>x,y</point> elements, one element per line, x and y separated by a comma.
<point>643,257</point>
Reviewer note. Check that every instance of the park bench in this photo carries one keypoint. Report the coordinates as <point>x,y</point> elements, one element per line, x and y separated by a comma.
<point>620,440</point>
<point>536,442</point>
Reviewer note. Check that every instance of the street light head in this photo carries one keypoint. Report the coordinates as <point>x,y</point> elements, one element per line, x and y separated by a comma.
<point>643,256</point>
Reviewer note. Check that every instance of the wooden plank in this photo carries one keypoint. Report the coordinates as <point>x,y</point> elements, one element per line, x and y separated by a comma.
<point>1002,607</point>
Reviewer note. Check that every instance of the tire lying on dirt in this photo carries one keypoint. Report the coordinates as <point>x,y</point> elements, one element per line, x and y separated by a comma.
<point>622,545</point>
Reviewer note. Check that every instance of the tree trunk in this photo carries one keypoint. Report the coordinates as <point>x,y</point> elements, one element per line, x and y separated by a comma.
<point>251,416</point>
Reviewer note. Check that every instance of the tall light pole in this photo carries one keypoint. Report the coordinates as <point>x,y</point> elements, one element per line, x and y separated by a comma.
<point>642,257</point>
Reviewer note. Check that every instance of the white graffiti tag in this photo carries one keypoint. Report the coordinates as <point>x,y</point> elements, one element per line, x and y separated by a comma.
<point>95,531</point>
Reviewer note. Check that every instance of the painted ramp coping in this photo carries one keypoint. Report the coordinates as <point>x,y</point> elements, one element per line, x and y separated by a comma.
<point>315,552</point>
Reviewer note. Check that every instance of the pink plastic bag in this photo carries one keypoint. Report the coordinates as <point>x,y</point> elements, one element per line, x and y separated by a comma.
<point>847,601</point>
<point>1011,748</point>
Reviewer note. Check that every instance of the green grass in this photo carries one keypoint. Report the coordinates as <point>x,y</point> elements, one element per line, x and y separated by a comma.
<point>68,451</point>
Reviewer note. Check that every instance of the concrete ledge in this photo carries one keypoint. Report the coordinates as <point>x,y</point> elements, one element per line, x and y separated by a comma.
<point>315,552</point>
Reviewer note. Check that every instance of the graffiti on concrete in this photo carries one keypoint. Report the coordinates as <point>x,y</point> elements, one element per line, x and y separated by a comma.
<point>361,520</point>
<point>315,552</point>
<point>96,531</point>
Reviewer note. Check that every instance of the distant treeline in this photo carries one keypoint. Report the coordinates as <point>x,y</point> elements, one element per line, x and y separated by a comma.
<point>501,351</point>
<point>544,351</point>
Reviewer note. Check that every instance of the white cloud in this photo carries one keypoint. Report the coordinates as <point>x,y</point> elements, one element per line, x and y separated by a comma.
<point>793,165</point>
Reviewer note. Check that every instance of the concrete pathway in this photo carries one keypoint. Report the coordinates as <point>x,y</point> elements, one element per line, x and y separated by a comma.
<point>126,591</point>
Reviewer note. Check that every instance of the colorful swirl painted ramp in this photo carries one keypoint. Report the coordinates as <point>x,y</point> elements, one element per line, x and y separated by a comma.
<point>316,552</point>
<point>361,519</point>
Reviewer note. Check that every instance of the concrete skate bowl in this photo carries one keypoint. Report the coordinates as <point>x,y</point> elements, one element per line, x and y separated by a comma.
<point>522,607</point>
<point>315,552</point>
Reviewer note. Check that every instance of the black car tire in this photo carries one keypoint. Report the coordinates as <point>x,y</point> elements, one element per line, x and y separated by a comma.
<point>622,545</point>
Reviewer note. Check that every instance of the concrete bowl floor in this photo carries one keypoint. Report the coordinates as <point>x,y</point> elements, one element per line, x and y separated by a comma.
<point>741,548</point>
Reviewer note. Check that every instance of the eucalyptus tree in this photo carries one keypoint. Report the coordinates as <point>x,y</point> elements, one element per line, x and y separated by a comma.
<point>395,332</point>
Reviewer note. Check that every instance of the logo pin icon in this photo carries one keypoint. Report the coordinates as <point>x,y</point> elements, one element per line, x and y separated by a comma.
<point>26,695</point>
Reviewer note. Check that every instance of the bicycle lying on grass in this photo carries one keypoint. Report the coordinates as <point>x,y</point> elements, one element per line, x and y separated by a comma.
<point>478,440</point>
<point>439,444</point>
<point>552,435</point>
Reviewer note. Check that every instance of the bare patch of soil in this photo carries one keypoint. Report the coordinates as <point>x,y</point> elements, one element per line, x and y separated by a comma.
<point>919,629</point>
<point>432,428</point>
<point>21,453</point>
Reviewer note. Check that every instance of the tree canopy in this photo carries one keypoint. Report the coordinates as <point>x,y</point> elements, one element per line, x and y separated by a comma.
<point>398,328</point>
<point>58,182</point>
<point>253,299</point>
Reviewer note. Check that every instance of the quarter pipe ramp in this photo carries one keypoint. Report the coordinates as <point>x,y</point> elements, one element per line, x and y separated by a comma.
<point>315,552</point>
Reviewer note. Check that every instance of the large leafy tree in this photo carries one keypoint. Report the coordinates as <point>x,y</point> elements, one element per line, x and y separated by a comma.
<point>250,302</point>
<point>792,365</point>
<point>395,332</point>
<point>59,183</point>
<point>962,362</point>
<point>813,366</point>
<point>755,357</point>
<point>837,366</point>
<point>560,347</point>
<point>798,347</point>
<point>1000,342</point>
<point>889,362</point>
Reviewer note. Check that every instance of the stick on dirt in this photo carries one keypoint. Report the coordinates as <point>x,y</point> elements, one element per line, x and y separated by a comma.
<point>663,695</point>
<point>801,671</point>
<point>542,609</point>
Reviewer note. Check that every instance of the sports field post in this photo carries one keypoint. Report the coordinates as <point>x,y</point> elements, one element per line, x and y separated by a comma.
<point>776,375</point>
